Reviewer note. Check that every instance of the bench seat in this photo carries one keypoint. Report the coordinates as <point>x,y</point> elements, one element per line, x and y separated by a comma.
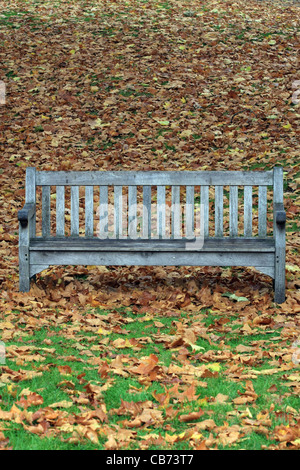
<point>258,253</point>
<point>95,244</point>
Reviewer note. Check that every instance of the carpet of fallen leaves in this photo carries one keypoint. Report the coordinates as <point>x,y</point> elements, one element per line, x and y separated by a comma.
<point>156,84</point>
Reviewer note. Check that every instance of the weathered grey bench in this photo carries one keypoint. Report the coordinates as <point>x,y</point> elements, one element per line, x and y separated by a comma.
<point>135,209</point>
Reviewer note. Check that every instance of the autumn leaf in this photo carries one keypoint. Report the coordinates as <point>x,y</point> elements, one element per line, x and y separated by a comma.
<point>31,399</point>
<point>194,415</point>
<point>147,365</point>
<point>61,404</point>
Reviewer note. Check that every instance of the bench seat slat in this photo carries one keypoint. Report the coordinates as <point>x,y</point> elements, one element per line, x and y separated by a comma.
<point>96,244</point>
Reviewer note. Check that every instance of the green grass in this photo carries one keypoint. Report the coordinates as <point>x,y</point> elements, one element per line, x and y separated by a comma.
<point>74,348</point>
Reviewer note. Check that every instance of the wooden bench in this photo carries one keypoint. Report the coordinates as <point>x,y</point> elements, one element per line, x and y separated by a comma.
<point>152,218</point>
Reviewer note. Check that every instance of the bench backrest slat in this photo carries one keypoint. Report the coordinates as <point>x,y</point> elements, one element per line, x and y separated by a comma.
<point>158,178</point>
<point>161,211</point>
<point>60,211</point>
<point>118,211</point>
<point>146,211</point>
<point>175,212</point>
<point>132,211</point>
<point>204,198</point>
<point>248,211</point>
<point>219,211</point>
<point>262,211</point>
<point>154,204</point>
<point>74,211</point>
<point>46,211</point>
<point>89,210</point>
<point>190,212</point>
<point>103,212</point>
<point>233,211</point>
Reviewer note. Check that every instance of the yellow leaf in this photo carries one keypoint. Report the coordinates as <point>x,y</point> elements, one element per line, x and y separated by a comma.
<point>146,318</point>
<point>102,331</point>
<point>183,100</point>
<point>6,325</point>
<point>11,389</point>
<point>292,268</point>
<point>214,366</point>
<point>62,404</point>
<point>72,51</point>
<point>164,123</point>
<point>287,126</point>
<point>196,435</point>
<point>202,401</point>
<point>295,378</point>
<point>171,439</point>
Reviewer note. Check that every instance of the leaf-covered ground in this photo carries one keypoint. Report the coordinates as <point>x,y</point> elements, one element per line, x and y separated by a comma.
<point>148,358</point>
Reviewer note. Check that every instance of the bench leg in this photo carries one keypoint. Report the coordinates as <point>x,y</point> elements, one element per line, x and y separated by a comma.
<point>24,278</point>
<point>279,281</point>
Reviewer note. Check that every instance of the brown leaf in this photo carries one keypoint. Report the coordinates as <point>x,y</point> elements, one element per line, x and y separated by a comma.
<point>191,416</point>
<point>32,399</point>
<point>147,365</point>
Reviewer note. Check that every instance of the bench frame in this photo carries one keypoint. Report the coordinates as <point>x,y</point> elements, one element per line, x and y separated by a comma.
<point>266,254</point>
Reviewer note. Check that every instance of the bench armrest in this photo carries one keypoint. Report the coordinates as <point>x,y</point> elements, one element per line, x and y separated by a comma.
<point>26,213</point>
<point>280,215</point>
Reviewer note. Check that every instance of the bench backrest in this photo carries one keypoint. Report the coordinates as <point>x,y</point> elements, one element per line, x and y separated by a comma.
<point>155,204</point>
